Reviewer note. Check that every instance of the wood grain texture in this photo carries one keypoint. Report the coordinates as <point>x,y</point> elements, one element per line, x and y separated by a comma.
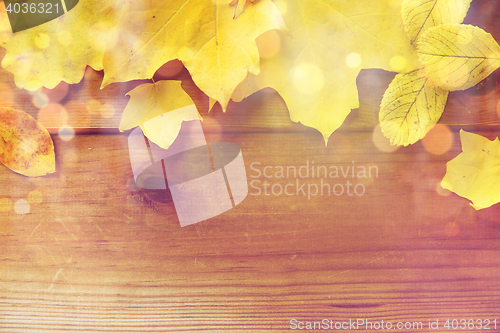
<point>99,254</point>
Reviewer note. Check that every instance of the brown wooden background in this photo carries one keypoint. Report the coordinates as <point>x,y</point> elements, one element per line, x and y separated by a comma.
<point>99,254</point>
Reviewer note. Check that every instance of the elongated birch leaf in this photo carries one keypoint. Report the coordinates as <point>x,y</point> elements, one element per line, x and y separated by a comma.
<point>25,145</point>
<point>166,99</point>
<point>475,173</point>
<point>420,15</point>
<point>410,108</point>
<point>458,56</point>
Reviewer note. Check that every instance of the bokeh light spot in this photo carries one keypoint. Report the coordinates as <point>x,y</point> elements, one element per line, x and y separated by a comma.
<point>269,43</point>
<point>442,191</point>
<point>5,204</point>
<point>64,37</point>
<point>35,197</point>
<point>22,207</point>
<point>42,41</point>
<point>107,110</point>
<point>398,63</point>
<point>66,133</point>
<point>56,94</point>
<point>40,100</point>
<point>353,60</point>
<point>78,113</point>
<point>439,140</point>
<point>451,229</point>
<point>94,106</point>
<point>307,78</point>
<point>53,115</point>
<point>381,142</point>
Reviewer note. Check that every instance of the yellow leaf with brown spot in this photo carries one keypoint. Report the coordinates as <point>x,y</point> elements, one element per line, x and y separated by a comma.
<point>25,145</point>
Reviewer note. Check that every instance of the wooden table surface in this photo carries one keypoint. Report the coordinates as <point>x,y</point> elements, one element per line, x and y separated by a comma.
<point>98,254</point>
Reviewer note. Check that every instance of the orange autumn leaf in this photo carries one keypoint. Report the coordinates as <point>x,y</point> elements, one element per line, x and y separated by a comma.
<point>25,145</point>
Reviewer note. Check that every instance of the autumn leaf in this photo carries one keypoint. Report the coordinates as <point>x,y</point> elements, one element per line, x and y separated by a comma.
<point>419,15</point>
<point>61,49</point>
<point>413,104</point>
<point>25,145</point>
<point>218,50</point>
<point>5,28</point>
<point>475,173</point>
<point>331,41</point>
<point>159,109</point>
<point>410,108</point>
<point>458,56</point>
<point>239,6</point>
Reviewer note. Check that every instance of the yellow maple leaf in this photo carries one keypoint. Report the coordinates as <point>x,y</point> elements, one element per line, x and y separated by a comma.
<point>159,109</point>
<point>458,56</point>
<point>5,28</point>
<point>419,15</point>
<point>475,173</point>
<point>25,145</point>
<point>331,41</point>
<point>410,108</point>
<point>239,6</point>
<point>59,50</point>
<point>217,49</point>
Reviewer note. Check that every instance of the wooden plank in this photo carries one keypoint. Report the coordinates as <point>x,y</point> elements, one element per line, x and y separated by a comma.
<point>98,254</point>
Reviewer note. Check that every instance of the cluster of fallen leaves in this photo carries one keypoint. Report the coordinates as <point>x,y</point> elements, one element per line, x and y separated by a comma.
<point>452,56</point>
<point>309,51</point>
